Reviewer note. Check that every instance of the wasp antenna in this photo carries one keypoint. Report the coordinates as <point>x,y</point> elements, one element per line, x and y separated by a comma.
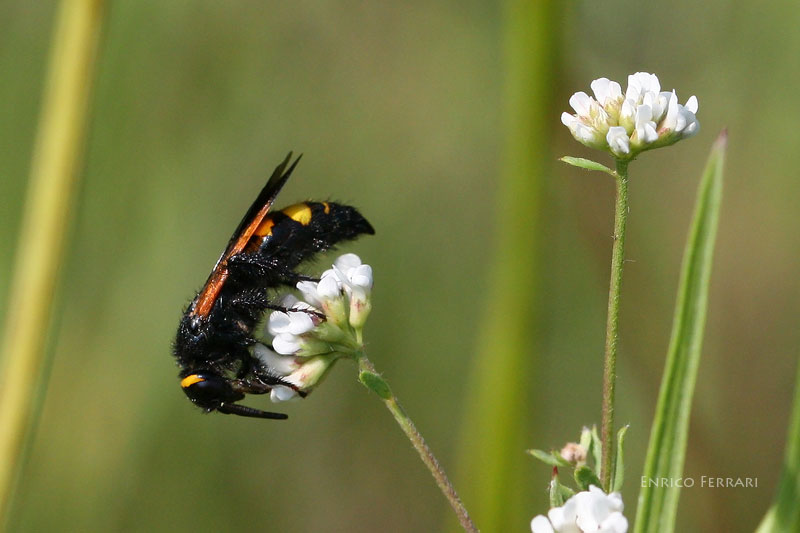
<point>243,410</point>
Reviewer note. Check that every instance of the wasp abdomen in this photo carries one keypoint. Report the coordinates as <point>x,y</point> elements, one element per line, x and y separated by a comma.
<point>301,230</point>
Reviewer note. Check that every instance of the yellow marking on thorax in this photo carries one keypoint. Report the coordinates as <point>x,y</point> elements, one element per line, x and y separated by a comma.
<point>265,228</point>
<point>299,212</point>
<point>190,380</point>
<point>327,208</point>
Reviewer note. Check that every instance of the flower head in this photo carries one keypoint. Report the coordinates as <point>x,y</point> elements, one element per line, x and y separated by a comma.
<point>591,510</point>
<point>309,336</point>
<point>642,118</point>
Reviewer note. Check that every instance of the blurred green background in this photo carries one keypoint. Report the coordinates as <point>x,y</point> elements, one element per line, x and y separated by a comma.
<point>399,110</point>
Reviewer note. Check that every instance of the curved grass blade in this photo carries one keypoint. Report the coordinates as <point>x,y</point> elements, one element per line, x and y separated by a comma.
<point>784,515</point>
<point>667,448</point>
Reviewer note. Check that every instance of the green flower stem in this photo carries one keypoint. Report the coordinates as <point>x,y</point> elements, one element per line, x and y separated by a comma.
<point>610,368</point>
<point>370,378</point>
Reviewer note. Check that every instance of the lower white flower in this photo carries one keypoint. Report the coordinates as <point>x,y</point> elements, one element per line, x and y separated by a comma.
<point>300,373</point>
<point>591,510</point>
<point>309,336</point>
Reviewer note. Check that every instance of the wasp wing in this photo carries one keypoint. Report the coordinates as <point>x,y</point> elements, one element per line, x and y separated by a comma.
<point>252,219</point>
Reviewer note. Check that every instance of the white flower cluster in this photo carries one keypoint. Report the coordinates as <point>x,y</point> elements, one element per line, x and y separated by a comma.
<point>314,333</point>
<point>625,125</point>
<point>591,510</point>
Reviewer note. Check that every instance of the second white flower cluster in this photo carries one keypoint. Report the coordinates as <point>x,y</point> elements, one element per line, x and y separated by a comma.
<point>625,125</point>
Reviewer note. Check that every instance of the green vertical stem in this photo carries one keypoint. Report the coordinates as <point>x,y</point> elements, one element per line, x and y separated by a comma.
<point>498,414</point>
<point>377,385</point>
<point>612,324</point>
<point>56,157</point>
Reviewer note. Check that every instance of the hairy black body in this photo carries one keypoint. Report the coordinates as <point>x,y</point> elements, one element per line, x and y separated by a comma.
<point>215,336</point>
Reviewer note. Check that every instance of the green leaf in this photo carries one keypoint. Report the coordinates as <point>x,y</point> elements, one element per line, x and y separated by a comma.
<point>375,383</point>
<point>619,465</point>
<point>586,439</point>
<point>784,515</point>
<point>588,164</point>
<point>552,458</point>
<point>566,492</point>
<point>585,476</point>
<point>667,448</point>
<point>597,449</point>
<point>556,495</point>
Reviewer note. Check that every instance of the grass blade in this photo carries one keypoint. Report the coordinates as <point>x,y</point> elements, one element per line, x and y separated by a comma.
<point>667,448</point>
<point>784,515</point>
<point>54,171</point>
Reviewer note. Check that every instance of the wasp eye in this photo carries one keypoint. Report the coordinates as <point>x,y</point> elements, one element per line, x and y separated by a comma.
<point>208,390</point>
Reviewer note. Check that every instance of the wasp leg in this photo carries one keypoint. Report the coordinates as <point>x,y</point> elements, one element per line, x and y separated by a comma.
<point>283,309</point>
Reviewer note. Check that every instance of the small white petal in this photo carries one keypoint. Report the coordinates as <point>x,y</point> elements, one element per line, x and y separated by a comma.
<point>281,393</point>
<point>585,134</point>
<point>278,322</point>
<point>644,114</point>
<point>660,105</point>
<point>286,343</point>
<point>615,523</point>
<point>618,140</point>
<point>558,517</point>
<point>347,261</point>
<point>329,288</point>
<point>645,127</point>
<point>568,120</point>
<point>606,90</point>
<point>281,364</point>
<point>310,294</point>
<point>691,129</point>
<point>615,501</point>
<point>362,276</point>
<point>581,103</point>
<point>691,104</point>
<point>650,133</point>
<point>671,119</point>
<point>627,116</point>
<point>300,323</point>
<point>310,372</point>
<point>540,524</point>
<point>641,83</point>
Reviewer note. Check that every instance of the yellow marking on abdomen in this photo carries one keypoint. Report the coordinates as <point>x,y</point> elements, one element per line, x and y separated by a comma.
<point>327,208</point>
<point>265,228</point>
<point>190,380</point>
<point>299,213</point>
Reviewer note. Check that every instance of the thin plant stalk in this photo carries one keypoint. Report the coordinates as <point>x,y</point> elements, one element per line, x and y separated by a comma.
<point>56,158</point>
<point>372,380</point>
<point>612,324</point>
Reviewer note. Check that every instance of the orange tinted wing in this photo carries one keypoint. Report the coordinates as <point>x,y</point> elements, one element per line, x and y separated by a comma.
<point>252,219</point>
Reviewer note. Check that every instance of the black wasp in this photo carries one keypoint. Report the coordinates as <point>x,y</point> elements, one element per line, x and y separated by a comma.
<point>215,336</point>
